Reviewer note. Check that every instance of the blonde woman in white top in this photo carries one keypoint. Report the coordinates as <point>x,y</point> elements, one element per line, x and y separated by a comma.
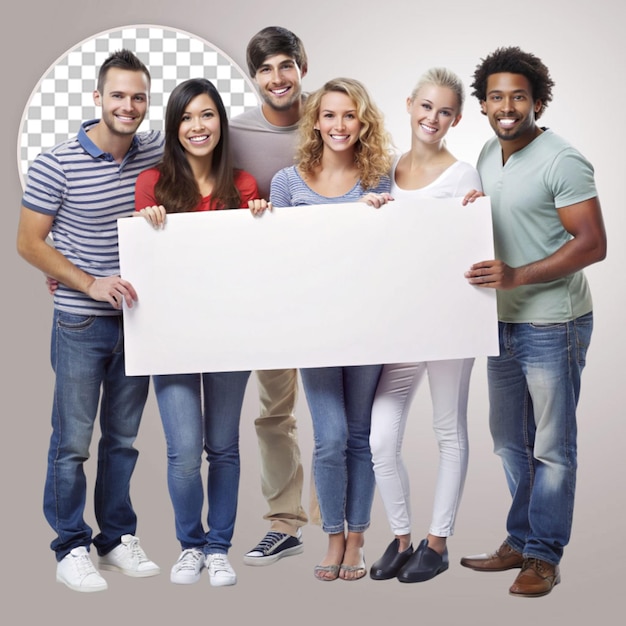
<point>428,169</point>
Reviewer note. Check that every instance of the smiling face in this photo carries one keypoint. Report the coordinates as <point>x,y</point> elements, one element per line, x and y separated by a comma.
<point>199,131</point>
<point>510,108</point>
<point>338,122</point>
<point>279,82</point>
<point>433,110</point>
<point>124,100</point>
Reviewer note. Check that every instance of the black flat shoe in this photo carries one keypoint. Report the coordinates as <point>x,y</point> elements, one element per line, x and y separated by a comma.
<point>391,562</point>
<point>424,564</point>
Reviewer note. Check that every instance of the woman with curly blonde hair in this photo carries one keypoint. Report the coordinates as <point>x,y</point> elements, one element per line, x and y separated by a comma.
<point>371,152</point>
<point>344,156</point>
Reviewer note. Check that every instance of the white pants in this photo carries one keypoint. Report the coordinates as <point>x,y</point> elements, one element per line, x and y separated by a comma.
<point>449,389</point>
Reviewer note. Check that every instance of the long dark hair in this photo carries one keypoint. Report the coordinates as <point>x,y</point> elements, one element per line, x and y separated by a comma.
<point>176,188</point>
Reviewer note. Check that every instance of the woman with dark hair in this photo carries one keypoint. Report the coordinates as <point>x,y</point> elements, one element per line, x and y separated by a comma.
<point>199,411</point>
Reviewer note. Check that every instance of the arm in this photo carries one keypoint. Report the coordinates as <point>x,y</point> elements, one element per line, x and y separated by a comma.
<point>583,221</point>
<point>32,232</point>
<point>279,189</point>
<point>146,203</point>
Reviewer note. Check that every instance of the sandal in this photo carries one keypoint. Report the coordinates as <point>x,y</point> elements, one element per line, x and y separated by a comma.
<point>320,570</point>
<point>359,570</point>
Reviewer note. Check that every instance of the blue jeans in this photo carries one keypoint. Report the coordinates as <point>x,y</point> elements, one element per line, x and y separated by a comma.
<point>340,401</point>
<point>534,386</point>
<point>188,431</point>
<point>87,355</point>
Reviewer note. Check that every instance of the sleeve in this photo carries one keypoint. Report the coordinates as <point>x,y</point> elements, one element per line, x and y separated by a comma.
<point>144,189</point>
<point>45,186</point>
<point>571,179</point>
<point>468,179</point>
<point>280,194</point>
<point>248,189</point>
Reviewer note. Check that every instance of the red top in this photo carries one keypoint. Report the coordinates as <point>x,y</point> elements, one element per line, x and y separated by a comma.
<point>147,180</point>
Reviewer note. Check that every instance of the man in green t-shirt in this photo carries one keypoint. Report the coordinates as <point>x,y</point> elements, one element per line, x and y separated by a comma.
<point>548,226</point>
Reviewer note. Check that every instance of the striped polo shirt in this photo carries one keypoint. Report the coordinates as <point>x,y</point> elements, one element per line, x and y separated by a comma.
<point>86,191</point>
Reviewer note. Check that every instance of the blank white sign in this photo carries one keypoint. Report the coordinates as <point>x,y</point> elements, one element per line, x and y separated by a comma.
<point>342,284</point>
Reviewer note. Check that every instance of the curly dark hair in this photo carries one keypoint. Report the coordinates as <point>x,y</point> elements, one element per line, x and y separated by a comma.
<point>515,61</point>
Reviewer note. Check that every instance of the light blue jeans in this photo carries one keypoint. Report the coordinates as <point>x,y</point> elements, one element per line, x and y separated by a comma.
<point>201,412</point>
<point>340,401</point>
<point>534,386</point>
<point>87,355</point>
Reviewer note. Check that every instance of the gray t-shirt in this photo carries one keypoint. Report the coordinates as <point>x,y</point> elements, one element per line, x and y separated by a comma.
<point>261,148</point>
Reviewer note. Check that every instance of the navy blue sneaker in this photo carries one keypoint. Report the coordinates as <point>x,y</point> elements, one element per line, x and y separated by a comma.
<point>274,546</point>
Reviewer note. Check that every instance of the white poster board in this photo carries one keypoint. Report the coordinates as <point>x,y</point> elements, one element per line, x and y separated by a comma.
<point>342,284</point>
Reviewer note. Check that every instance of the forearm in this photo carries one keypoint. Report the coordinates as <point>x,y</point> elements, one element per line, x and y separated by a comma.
<point>52,263</point>
<point>573,256</point>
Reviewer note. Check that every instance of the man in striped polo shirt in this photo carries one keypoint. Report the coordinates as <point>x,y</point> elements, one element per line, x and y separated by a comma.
<point>76,192</point>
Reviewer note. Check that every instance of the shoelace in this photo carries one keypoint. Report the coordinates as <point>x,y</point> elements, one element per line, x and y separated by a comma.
<point>219,563</point>
<point>136,550</point>
<point>188,559</point>
<point>535,564</point>
<point>84,565</point>
<point>268,542</point>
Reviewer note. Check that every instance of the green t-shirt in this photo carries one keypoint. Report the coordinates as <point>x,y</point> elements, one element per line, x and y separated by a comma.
<point>546,175</point>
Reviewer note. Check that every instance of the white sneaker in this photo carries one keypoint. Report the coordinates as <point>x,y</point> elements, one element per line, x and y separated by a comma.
<point>130,559</point>
<point>220,571</point>
<point>188,567</point>
<point>78,572</point>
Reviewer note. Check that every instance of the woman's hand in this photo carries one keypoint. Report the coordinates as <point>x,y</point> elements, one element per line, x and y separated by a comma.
<point>154,214</point>
<point>376,199</point>
<point>471,195</point>
<point>52,284</point>
<point>259,206</point>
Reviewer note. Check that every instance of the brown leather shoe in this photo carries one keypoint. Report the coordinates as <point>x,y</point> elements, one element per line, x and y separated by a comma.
<point>502,559</point>
<point>537,578</point>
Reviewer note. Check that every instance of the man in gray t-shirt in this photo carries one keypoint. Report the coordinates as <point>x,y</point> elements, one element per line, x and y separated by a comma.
<point>277,63</point>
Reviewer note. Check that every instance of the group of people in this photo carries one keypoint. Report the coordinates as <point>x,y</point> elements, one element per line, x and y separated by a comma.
<point>329,146</point>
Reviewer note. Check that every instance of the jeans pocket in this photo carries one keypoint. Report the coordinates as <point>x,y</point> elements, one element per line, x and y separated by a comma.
<point>72,321</point>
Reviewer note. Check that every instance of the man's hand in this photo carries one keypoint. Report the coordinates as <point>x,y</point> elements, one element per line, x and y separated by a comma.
<point>494,274</point>
<point>114,290</point>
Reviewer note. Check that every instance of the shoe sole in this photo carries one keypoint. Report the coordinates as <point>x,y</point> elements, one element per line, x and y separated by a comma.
<point>82,589</point>
<point>492,569</point>
<point>272,558</point>
<point>128,572</point>
<point>222,583</point>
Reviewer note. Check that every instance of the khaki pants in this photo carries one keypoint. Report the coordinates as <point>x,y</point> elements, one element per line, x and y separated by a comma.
<point>281,468</point>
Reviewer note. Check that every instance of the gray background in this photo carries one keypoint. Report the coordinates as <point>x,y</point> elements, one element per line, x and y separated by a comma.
<point>386,45</point>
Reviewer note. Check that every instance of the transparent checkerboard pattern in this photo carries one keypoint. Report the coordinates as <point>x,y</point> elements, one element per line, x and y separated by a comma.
<point>63,98</point>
